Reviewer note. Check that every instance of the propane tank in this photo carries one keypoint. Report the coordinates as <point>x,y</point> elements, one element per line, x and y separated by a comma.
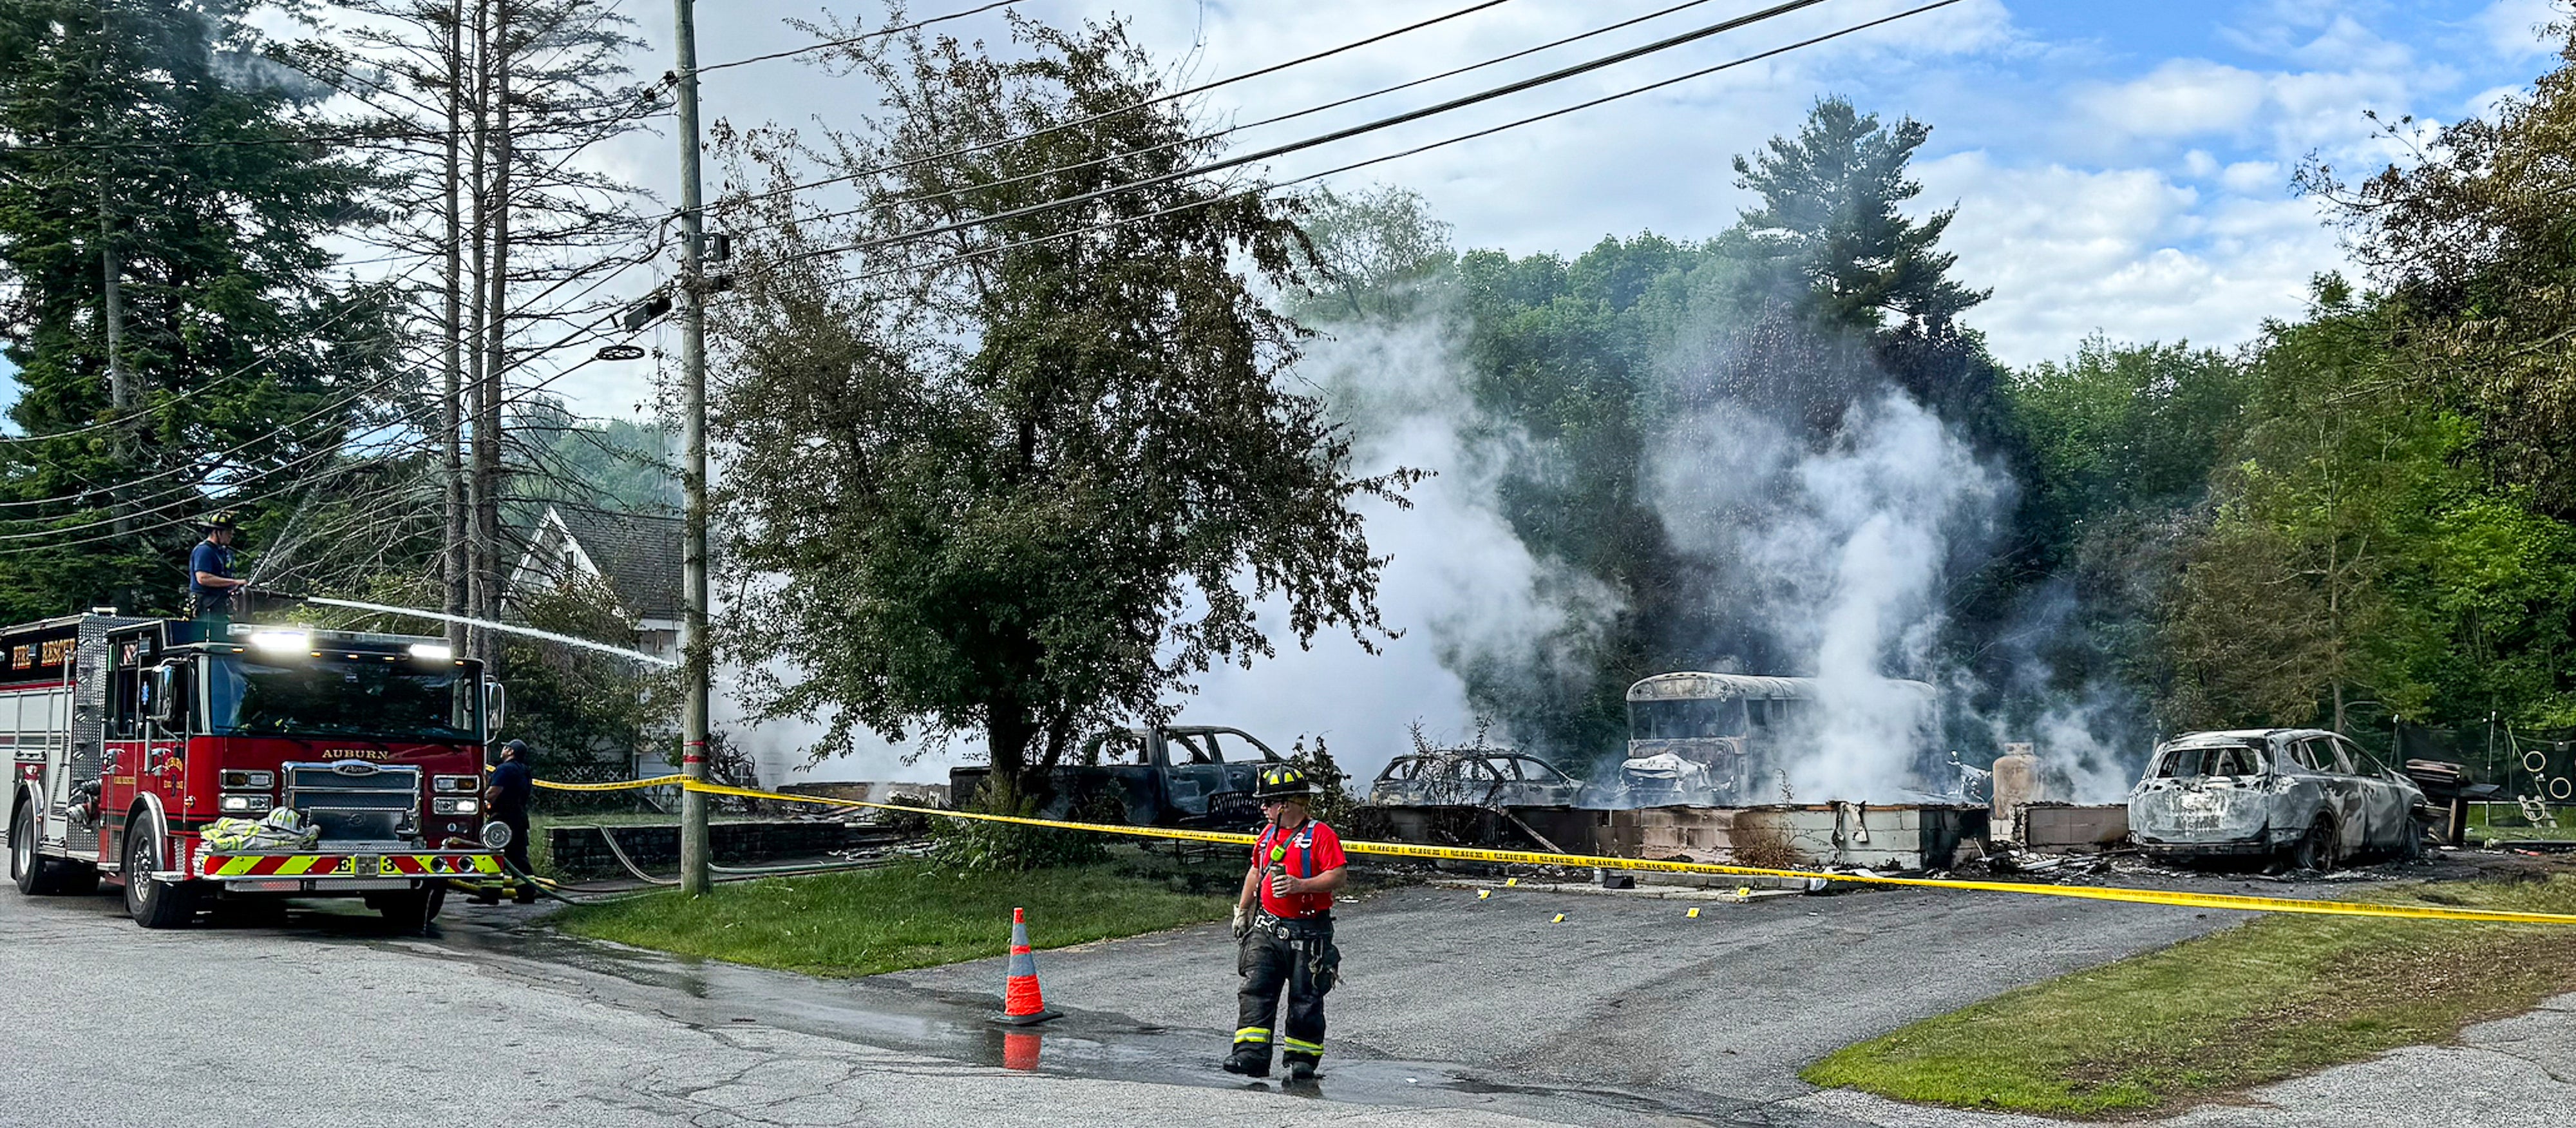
<point>2016,782</point>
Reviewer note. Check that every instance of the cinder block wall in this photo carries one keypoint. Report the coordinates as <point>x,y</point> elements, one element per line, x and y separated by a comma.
<point>580,853</point>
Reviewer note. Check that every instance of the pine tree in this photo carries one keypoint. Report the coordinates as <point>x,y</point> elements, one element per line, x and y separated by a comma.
<point>181,342</point>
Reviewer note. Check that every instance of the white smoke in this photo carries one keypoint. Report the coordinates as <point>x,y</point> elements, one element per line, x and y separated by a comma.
<point>1458,582</point>
<point>1844,551</point>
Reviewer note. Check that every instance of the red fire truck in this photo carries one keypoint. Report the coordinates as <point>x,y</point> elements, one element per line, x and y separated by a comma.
<point>131,736</point>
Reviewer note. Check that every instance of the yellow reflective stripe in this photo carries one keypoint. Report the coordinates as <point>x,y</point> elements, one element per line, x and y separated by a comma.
<point>1309,1047</point>
<point>233,866</point>
<point>1586,861</point>
<point>293,867</point>
<point>1252,1034</point>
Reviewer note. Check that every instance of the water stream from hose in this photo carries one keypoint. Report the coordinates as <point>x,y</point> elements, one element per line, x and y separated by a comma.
<point>488,624</point>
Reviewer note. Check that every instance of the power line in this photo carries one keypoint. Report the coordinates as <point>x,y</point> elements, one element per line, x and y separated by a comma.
<point>311,138</point>
<point>229,500</point>
<point>880,33</point>
<point>1123,221</point>
<point>1558,75</point>
<point>283,429</point>
<point>1156,100</point>
<point>209,385</point>
<point>1271,120</point>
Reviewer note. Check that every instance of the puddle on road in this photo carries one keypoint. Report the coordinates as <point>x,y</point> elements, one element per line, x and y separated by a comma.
<point>1091,1044</point>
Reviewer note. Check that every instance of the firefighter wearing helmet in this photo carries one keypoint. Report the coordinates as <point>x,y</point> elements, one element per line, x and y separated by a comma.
<point>212,589</point>
<point>1284,924</point>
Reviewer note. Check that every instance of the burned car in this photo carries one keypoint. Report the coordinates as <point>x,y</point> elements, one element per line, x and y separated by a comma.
<point>2305,798</point>
<point>1473,777</point>
<point>1465,797</point>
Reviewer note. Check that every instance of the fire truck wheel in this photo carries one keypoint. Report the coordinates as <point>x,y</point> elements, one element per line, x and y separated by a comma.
<point>411,910</point>
<point>36,874</point>
<point>153,903</point>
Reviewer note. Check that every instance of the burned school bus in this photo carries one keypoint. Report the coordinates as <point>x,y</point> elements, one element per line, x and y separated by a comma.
<point>188,764</point>
<point>1724,739</point>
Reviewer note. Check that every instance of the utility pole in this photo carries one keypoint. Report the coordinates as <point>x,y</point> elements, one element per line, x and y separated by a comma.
<point>695,654</point>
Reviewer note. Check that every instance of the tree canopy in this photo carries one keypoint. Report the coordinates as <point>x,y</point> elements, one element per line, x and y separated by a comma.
<point>1028,478</point>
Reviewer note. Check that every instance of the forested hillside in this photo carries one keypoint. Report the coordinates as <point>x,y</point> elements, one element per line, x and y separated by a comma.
<point>2362,516</point>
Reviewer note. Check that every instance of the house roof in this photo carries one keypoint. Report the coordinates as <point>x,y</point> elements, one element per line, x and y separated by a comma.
<point>639,555</point>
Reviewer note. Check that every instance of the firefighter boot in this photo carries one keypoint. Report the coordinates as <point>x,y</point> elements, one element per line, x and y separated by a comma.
<point>1249,1059</point>
<point>1301,1068</point>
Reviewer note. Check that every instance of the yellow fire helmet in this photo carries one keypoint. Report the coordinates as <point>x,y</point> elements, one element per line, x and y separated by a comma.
<point>1283,781</point>
<point>222,519</point>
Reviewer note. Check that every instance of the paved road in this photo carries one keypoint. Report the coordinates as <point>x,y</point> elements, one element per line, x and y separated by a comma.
<point>329,1022</point>
<point>1460,1013</point>
<point>1710,1016</point>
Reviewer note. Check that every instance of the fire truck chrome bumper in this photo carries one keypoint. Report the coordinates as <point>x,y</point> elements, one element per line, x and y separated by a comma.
<point>336,870</point>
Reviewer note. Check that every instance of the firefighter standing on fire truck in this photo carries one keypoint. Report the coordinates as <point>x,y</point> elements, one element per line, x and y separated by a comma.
<point>211,586</point>
<point>1284,924</point>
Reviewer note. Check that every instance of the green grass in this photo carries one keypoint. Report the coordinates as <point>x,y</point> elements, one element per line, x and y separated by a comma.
<point>910,914</point>
<point>2277,997</point>
<point>2503,822</point>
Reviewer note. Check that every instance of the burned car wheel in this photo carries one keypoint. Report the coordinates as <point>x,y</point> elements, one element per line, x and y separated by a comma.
<point>2315,849</point>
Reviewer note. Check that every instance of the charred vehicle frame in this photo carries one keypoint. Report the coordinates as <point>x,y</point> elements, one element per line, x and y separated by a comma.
<point>2306,798</point>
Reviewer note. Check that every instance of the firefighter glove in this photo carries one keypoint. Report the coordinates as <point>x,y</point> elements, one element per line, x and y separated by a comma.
<point>1242,922</point>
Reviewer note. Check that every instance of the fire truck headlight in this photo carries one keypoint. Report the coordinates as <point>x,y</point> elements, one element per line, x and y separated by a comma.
<point>281,640</point>
<point>243,804</point>
<point>454,783</point>
<point>454,806</point>
<point>241,779</point>
<point>432,652</point>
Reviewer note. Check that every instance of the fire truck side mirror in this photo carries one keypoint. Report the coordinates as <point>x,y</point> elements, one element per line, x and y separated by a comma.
<point>163,698</point>
<point>495,707</point>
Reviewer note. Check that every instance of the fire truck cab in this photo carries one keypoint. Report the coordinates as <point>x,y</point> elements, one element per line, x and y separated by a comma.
<point>129,737</point>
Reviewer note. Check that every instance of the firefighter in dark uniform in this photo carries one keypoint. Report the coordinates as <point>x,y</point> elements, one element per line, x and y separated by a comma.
<point>1284,924</point>
<point>506,800</point>
<point>212,589</point>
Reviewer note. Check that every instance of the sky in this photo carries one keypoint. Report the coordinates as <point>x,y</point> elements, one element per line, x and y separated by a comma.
<point>2116,168</point>
<point>2121,169</point>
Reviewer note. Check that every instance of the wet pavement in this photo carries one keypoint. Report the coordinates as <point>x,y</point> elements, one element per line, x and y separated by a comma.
<point>1525,1007</point>
<point>957,1025</point>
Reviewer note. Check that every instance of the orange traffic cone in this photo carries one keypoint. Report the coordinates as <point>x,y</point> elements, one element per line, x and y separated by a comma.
<point>1022,1003</point>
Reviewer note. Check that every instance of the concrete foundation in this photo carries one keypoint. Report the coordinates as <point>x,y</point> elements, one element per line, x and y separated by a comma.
<point>2073,827</point>
<point>1907,837</point>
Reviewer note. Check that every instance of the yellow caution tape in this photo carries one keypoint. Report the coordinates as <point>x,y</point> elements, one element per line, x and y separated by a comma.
<point>620,785</point>
<point>2230,901</point>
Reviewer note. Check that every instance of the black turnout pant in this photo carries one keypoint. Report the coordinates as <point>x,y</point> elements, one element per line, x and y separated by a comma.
<point>516,853</point>
<point>1299,956</point>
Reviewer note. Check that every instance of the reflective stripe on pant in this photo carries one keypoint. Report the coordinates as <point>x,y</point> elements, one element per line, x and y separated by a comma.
<point>1268,964</point>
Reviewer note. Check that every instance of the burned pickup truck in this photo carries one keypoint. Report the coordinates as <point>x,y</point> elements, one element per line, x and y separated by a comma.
<point>2304,798</point>
<point>1180,775</point>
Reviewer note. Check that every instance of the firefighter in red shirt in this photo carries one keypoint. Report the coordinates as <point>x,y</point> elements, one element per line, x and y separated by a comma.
<point>1284,923</point>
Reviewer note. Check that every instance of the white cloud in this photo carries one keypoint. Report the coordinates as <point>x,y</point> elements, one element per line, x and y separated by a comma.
<point>2255,178</point>
<point>2513,27</point>
<point>2126,251</point>
<point>2182,98</point>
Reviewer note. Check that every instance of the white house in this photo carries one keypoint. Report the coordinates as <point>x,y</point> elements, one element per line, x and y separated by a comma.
<point>637,556</point>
